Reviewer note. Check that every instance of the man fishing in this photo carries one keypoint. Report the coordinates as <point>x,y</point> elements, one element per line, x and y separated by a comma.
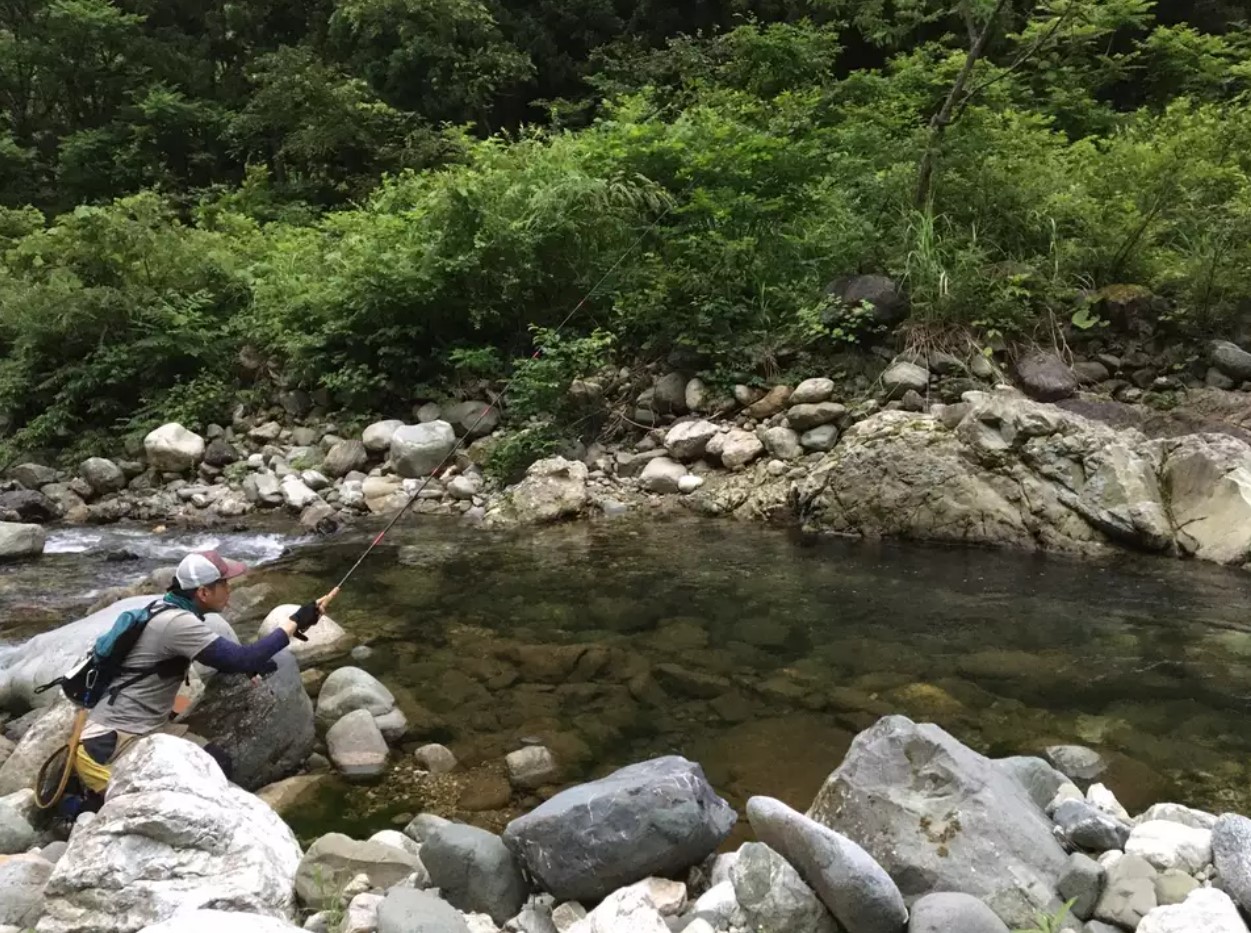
<point>141,701</point>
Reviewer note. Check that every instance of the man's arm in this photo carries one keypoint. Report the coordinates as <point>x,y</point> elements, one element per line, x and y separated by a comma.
<point>230,658</point>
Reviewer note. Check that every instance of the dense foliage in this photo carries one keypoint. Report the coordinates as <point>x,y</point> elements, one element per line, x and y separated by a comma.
<point>367,198</point>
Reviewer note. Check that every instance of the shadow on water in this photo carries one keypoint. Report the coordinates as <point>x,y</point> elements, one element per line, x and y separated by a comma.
<point>761,659</point>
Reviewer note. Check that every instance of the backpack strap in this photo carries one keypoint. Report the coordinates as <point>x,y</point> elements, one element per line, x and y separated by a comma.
<point>170,667</point>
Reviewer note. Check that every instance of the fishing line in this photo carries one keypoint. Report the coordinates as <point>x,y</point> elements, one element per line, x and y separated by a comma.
<point>507,385</point>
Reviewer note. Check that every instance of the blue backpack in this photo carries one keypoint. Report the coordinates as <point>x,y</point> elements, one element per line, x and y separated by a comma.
<point>93,678</point>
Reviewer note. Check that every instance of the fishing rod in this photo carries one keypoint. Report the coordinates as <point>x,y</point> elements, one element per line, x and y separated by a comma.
<point>460,441</point>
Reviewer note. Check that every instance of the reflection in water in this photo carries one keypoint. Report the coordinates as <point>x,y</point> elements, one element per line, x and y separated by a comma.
<point>761,658</point>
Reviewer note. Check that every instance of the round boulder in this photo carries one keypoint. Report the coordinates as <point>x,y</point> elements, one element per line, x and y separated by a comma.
<point>418,449</point>
<point>103,476</point>
<point>171,448</point>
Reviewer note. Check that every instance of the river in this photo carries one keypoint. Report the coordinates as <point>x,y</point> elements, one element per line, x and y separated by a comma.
<point>757,653</point>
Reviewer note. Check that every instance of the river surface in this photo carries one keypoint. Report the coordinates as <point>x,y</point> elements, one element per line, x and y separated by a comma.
<point>748,649</point>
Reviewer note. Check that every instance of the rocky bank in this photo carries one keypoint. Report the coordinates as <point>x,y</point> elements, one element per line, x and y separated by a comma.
<point>936,449</point>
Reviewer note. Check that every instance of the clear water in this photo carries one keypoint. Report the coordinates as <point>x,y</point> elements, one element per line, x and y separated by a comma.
<point>761,655</point>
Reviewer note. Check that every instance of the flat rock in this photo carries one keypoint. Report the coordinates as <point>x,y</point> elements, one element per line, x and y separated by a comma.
<point>902,377</point>
<point>812,391</point>
<point>807,417</point>
<point>335,859</point>
<point>408,911</point>
<point>1077,762</point>
<point>856,889</point>
<point>1176,813</point>
<point>662,475</point>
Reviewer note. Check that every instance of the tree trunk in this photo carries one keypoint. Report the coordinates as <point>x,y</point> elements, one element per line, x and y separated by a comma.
<point>939,122</point>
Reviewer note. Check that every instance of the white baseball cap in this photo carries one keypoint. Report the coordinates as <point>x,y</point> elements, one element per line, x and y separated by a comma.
<point>204,568</point>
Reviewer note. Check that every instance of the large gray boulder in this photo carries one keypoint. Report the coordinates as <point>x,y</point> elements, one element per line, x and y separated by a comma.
<point>409,911</point>
<point>553,489</point>
<point>773,896</point>
<point>29,506</point>
<point>473,419</point>
<point>658,817</point>
<point>102,475</point>
<point>1231,854</point>
<point>18,541</point>
<point>22,881</point>
<point>474,871</point>
<point>418,449</point>
<point>887,302</point>
<point>33,475</point>
<point>173,835</point>
<point>266,728</point>
<point>171,448</point>
<point>855,888</point>
<point>1231,360</point>
<point>1013,472</point>
<point>939,817</point>
<point>344,457</point>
